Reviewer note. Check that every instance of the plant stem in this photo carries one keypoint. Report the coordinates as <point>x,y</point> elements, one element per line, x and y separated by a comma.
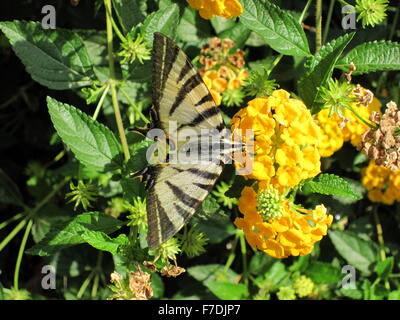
<point>232,254</point>
<point>244,258</point>
<point>394,23</point>
<point>12,219</point>
<point>101,101</point>
<point>21,253</point>
<point>84,285</point>
<point>134,105</point>
<point>361,118</point>
<point>303,13</point>
<point>112,80</point>
<point>379,232</point>
<point>12,234</point>
<point>328,21</point>
<point>318,25</point>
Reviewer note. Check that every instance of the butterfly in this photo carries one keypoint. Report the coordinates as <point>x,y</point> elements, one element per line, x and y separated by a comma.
<point>182,103</point>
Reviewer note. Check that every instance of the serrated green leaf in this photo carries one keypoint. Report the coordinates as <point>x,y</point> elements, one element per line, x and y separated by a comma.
<point>331,184</point>
<point>227,290</point>
<point>164,20</point>
<point>357,252</point>
<point>93,144</point>
<point>69,233</point>
<point>221,24</point>
<point>216,230</point>
<point>321,272</point>
<point>384,268</point>
<point>55,58</point>
<point>102,241</point>
<point>321,68</point>
<point>157,285</point>
<point>372,56</point>
<point>9,192</point>
<point>277,27</point>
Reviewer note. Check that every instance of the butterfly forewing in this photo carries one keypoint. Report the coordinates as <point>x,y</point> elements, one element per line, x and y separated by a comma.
<point>180,96</point>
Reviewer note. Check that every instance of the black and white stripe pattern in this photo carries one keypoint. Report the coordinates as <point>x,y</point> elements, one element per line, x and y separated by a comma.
<point>180,95</point>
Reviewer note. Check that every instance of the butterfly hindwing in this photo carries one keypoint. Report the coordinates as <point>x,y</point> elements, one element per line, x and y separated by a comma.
<point>179,95</point>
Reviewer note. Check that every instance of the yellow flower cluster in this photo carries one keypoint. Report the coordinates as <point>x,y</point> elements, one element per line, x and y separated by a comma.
<point>294,233</point>
<point>221,8</point>
<point>286,139</point>
<point>336,131</point>
<point>383,184</point>
<point>222,70</point>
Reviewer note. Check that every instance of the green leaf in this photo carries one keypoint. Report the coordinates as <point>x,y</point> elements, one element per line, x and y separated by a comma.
<point>164,20</point>
<point>93,144</point>
<point>192,28</point>
<point>372,56</point>
<point>357,252</point>
<point>276,274</point>
<point>216,230</point>
<point>384,268</point>
<point>352,293</point>
<point>394,295</point>
<point>320,70</point>
<point>132,188</point>
<point>57,59</point>
<point>102,241</point>
<point>331,184</point>
<point>9,192</point>
<point>277,27</point>
<point>227,290</point>
<point>138,159</point>
<point>260,263</point>
<point>221,24</point>
<point>157,285</point>
<point>239,33</point>
<point>321,272</point>
<point>130,13</point>
<point>69,233</point>
<point>212,272</point>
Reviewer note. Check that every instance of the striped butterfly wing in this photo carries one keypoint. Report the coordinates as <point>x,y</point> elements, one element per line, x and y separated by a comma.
<point>180,96</point>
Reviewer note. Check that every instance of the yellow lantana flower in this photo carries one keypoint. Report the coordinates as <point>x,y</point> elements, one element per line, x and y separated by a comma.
<point>291,233</point>
<point>335,130</point>
<point>286,139</point>
<point>222,8</point>
<point>383,184</point>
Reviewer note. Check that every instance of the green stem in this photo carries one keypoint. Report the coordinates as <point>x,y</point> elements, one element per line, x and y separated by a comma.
<point>379,232</point>
<point>244,258</point>
<point>84,285</point>
<point>361,118</point>
<point>394,23</point>
<point>117,112</point>
<point>303,13</point>
<point>132,103</point>
<point>274,64</point>
<point>12,234</point>
<point>318,25</point>
<point>232,254</point>
<point>12,219</point>
<point>328,21</point>
<point>101,101</point>
<point>21,253</point>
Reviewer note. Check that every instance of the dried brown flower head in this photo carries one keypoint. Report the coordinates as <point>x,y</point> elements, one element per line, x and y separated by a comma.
<point>383,143</point>
<point>363,96</point>
<point>140,285</point>
<point>172,271</point>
